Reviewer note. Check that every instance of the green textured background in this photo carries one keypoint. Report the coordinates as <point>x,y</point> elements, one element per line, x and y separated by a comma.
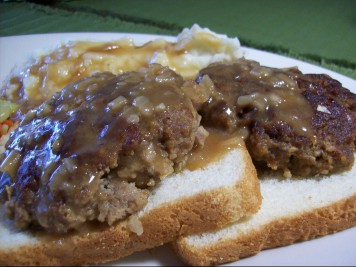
<point>322,32</point>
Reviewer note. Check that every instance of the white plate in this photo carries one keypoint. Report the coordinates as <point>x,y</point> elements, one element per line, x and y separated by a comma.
<point>337,249</point>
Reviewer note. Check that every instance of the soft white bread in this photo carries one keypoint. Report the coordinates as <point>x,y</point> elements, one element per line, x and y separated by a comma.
<point>292,210</point>
<point>184,203</point>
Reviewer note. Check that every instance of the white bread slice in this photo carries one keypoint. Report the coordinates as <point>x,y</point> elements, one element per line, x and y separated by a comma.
<point>184,203</point>
<point>292,210</point>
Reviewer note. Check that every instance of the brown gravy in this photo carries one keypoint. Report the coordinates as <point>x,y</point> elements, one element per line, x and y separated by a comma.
<point>216,145</point>
<point>251,91</point>
<point>70,62</point>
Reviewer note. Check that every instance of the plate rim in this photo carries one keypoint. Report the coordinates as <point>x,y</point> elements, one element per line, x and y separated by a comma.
<point>115,35</point>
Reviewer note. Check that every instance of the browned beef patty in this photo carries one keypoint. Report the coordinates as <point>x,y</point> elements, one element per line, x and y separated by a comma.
<point>94,149</point>
<point>301,124</point>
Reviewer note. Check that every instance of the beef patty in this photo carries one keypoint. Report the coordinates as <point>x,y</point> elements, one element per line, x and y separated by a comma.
<point>301,124</point>
<point>93,151</point>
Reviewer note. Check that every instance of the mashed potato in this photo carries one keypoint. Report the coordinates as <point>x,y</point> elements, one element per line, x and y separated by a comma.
<point>193,50</point>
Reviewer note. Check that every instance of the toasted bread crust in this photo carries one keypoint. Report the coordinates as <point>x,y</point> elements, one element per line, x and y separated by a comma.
<point>319,222</point>
<point>189,215</point>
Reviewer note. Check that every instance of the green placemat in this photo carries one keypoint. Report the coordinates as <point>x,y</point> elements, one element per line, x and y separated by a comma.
<point>321,32</point>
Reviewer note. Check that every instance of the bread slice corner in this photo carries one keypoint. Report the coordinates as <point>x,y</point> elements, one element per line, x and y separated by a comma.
<point>292,210</point>
<point>186,203</point>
